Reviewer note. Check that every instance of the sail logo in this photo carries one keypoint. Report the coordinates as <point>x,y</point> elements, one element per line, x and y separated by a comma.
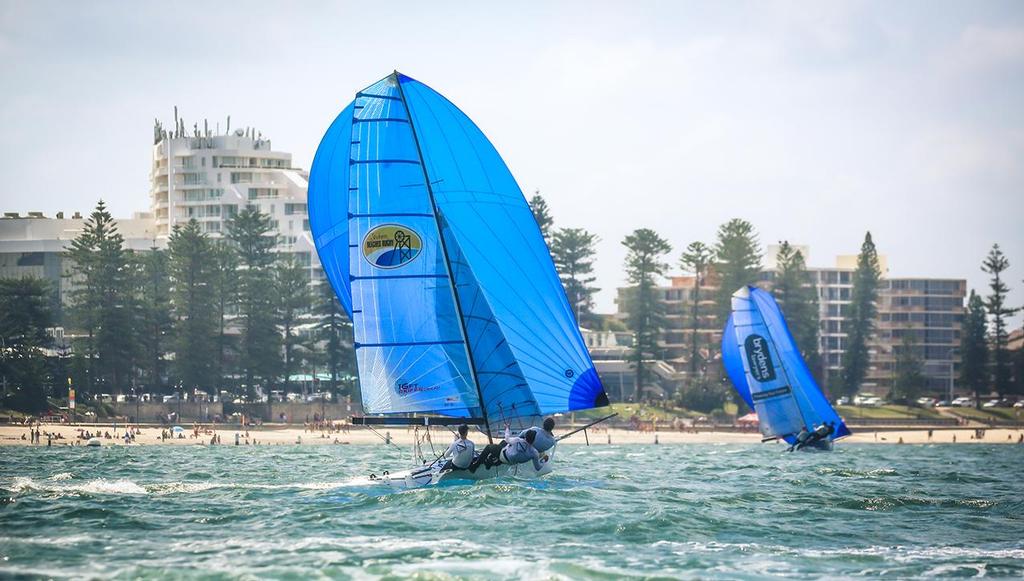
<point>760,358</point>
<point>403,388</point>
<point>391,246</point>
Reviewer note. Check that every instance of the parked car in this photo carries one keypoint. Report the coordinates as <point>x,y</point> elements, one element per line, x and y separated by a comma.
<point>942,403</point>
<point>963,402</point>
<point>1019,404</point>
<point>926,401</point>
<point>843,401</point>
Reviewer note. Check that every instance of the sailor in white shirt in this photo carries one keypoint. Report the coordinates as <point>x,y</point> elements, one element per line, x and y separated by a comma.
<point>460,453</point>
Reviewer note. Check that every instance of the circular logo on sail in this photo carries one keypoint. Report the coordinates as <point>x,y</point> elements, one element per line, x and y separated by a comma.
<point>391,246</point>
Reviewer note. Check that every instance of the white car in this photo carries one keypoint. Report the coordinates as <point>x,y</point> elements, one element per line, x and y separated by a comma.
<point>1019,404</point>
<point>963,402</point>
<point>991,404</point>
<point>926,401</point>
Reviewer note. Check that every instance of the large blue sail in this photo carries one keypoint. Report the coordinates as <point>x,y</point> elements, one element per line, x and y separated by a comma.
<point>765,366</point>
<point>469,256</point>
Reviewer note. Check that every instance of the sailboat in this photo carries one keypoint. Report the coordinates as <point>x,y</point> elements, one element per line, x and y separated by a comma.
<point>458,313</point>
<point>766,368</point>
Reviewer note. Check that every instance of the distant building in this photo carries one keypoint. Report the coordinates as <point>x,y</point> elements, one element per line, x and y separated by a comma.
<point>210,178</point>
<point>203,176</point>
<point>34,245</point>
<point>932,309</point>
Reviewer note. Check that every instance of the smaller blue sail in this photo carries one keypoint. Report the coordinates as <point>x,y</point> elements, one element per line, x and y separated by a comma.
<point>766,368</point>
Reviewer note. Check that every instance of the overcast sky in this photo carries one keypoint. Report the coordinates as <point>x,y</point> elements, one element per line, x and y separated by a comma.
<point>816,121</point>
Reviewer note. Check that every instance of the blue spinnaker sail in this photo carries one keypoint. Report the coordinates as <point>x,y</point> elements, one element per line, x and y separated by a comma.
<point>733,363</point>
<point>764,364</point>
<point>431,247</point>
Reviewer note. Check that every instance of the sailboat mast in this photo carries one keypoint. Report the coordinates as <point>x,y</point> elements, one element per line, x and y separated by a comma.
<point>447,260</point>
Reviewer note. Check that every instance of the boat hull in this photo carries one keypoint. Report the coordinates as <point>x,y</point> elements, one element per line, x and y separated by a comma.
<point>431,474</point>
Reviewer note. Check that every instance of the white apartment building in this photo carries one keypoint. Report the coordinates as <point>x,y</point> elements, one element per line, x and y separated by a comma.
<point>212,177</point>
<point>203,176</point>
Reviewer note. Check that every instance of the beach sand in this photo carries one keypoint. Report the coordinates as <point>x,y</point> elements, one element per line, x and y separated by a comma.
<point>290,435</point>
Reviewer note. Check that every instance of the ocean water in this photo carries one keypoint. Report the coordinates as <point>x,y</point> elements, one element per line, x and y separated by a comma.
<point>609,512</point>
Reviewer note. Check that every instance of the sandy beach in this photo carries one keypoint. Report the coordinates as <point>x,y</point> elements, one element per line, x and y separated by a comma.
<point>17,435</point>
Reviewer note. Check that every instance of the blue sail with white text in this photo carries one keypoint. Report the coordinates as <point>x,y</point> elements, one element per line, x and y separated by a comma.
<point>766,368</point>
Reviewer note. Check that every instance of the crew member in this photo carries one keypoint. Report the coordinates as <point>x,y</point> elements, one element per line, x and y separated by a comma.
<point>460,453</point>
<point>820,433</point>
<point>544,439</point>
<point>511,450</point>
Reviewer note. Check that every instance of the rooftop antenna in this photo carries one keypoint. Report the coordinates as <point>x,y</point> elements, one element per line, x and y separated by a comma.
<point>228,130</point>
<point>175,120</point>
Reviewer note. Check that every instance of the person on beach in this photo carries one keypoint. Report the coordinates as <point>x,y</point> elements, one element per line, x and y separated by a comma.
<point>460,453</point>
<point>511,450</point>
<point>544,439</point>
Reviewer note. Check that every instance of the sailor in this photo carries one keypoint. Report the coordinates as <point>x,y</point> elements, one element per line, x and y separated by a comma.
<point>544,439</point>
<point>820,433</point>
<point>511,450</point>
<point>460,453</point>
<point>800,439</point>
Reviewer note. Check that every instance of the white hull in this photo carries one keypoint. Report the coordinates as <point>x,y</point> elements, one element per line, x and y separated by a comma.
<point>431,474</point>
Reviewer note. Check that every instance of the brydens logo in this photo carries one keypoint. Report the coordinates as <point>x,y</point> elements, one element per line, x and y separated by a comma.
<point>391,246</point>
<point>760,358</point>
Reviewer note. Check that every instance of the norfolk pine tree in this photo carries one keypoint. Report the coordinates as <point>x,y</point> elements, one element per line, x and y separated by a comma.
<point>193,309</point>
<point>26,312</point>
<point>573,252</point>
<point>103,302</point>
<point>995,264</point>
<point>542,214</point>
<point>697,258</point>
<point>291,279</point>
<point>861,319</point>
<point>737,261</point>
<point>646,317</point>
<point>250,231</point>
<point>974,347</point>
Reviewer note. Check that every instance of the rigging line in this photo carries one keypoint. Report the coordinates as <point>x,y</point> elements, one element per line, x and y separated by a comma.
<point>383,438</point>
<point>444,249</point>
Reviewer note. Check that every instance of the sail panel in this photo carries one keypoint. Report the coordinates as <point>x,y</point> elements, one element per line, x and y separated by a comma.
<point>771,389</point>
<point>499,239</point>
<point>813,403</point>
<point>781,388</point>
<point>733,362</point>
<point>410,348</point>
<point>328,199</point>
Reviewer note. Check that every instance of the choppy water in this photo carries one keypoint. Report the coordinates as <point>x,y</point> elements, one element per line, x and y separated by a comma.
<point>724,511</point>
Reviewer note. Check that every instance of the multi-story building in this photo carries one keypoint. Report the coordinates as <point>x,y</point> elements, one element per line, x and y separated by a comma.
<point>931,309</point>
<point>204,176</point>
<point>34,245</point>
<point>210,177</point>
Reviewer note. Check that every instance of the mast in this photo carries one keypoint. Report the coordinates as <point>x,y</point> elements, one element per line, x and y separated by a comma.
<point>447,260</point>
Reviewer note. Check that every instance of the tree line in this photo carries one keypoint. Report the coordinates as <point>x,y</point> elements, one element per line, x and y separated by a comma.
<point>733,260</point>
<point>205,313</point>
<point>232,312</point>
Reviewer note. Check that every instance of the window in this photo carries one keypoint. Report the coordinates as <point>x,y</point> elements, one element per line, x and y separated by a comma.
<point>262,193</point>
<point>31,259</point>
<point>194,179</point>
<point>241,177</point>
<point>290,209</point>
